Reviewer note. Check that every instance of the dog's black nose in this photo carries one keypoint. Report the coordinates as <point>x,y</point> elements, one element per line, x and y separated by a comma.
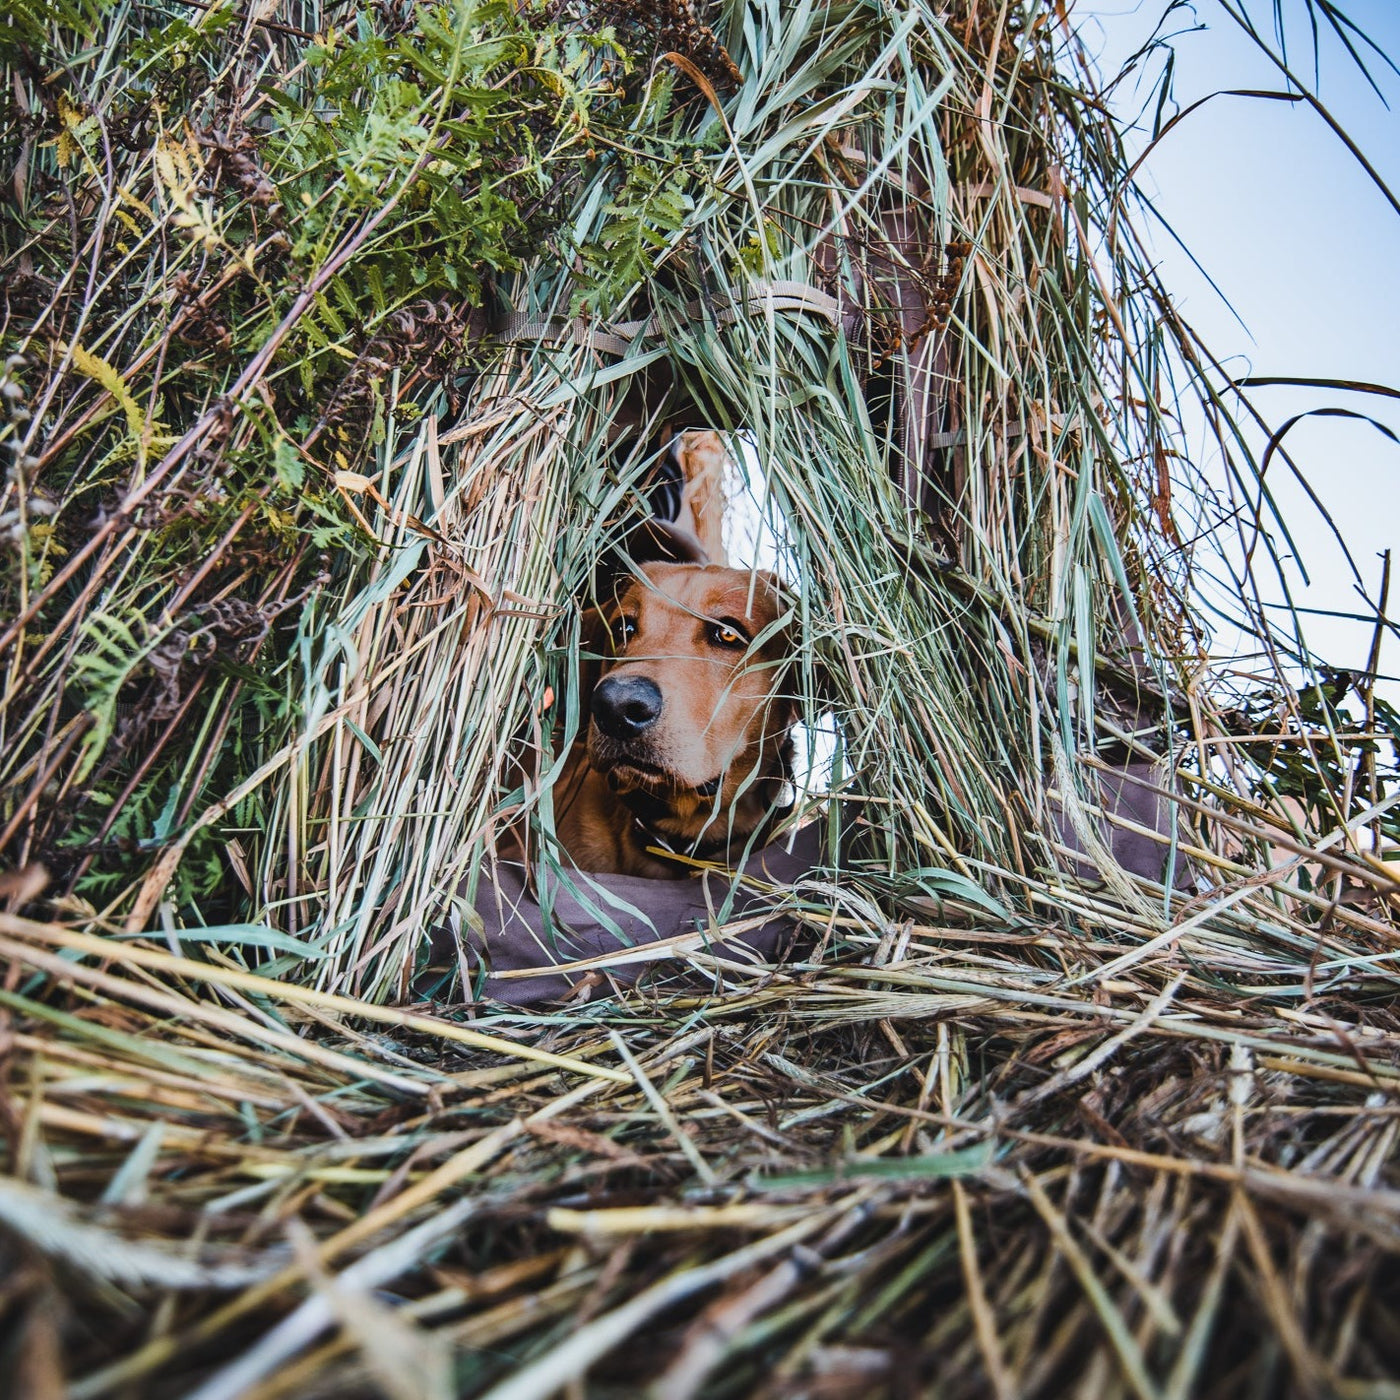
<point>623,706</point>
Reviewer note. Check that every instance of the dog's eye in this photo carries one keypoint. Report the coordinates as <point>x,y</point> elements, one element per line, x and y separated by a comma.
<point>623,630</point>
<point>726,633</point>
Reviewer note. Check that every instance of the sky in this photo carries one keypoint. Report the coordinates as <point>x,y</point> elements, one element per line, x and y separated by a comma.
<point>1307,251</point>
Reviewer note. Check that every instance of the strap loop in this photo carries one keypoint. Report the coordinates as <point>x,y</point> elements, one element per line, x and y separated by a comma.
<point>617,338</point>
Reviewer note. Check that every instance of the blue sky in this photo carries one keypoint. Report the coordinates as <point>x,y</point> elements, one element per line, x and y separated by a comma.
<point>1307,250</point>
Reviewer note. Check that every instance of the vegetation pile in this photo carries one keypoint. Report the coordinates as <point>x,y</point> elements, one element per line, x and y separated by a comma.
<point>336,343</point>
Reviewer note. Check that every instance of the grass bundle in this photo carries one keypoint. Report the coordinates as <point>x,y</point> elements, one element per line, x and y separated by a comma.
<point>337,353</point>
<point>948,1166</point>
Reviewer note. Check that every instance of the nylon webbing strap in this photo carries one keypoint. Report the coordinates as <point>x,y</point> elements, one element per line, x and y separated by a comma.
<point>617,337</point>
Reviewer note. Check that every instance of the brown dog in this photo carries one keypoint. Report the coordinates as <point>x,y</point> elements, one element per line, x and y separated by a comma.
<point>688,746</point>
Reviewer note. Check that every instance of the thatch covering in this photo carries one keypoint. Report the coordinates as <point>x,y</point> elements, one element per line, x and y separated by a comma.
<point>337,359</point>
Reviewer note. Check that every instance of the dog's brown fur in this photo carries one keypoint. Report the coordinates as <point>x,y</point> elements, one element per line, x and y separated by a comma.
<point>708,774</point>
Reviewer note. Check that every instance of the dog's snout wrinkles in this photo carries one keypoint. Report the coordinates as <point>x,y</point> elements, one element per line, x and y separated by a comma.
<point>624,706</point>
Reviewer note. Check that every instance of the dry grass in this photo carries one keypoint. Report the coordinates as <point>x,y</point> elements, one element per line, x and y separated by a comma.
<point>956,1159</point>
<point>999,1128</point>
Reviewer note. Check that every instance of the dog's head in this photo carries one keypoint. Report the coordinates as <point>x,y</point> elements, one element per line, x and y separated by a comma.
<point>689,723</point>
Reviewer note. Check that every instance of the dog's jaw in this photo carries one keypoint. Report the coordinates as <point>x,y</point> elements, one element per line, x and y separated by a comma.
<point>704,821</point>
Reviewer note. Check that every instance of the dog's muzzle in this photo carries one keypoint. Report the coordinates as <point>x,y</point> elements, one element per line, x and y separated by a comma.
<point>625,707</point>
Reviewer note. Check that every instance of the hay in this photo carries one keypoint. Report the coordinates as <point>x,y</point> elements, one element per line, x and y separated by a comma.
<point>1007,1124</point>
<point>968,1162</point>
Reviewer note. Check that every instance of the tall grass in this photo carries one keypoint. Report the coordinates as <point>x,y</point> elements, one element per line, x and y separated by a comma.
<point>283,610</point>
<point>978,299</point>
<point>339,350</point>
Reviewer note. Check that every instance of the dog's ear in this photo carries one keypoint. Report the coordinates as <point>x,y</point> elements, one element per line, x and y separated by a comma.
<point>653,541</point>
<point>649,541</point>
<point>825,691</point>
<point>594,645</point>
<point>811,678</point>
<point>611,580</point>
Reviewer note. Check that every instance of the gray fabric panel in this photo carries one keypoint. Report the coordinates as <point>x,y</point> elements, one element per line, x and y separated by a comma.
<point>513,936</point>
<point>1125,796</point>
